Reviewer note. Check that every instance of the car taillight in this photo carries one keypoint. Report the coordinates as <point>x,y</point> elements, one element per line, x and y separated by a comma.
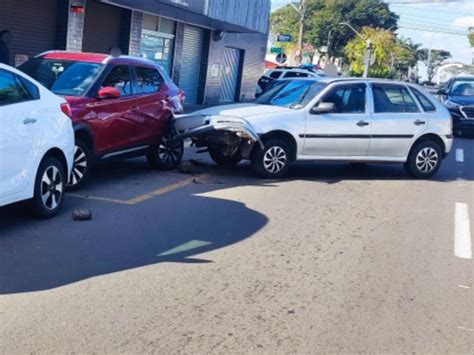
<point>66,108</point>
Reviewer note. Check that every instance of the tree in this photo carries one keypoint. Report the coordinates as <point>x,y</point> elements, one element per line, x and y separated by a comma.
<point>390,54</point>
<point>432,60</point>
<point>470,36</point>
<point>323,18</point>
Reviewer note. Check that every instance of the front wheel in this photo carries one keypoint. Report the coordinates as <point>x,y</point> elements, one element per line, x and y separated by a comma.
<point>424,160</point>
<point>225,160</point>
<point>167,155</point>
<point>273,161</point>
<point>49,188</point>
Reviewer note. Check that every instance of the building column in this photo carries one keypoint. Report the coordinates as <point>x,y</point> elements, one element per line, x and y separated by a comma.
<point>135,33</point>
<point>71,14</point>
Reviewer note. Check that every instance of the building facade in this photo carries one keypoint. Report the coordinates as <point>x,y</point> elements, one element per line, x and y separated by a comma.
<point>213,49</point>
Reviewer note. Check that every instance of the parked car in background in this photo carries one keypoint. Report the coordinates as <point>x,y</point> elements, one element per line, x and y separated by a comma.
<point>119,107</point>
<point>458,96</point>
<point>36,143</point>
<point>353,120</point>
<point>280,73</point>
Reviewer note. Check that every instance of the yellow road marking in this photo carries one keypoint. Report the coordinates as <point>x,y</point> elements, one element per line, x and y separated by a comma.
<point>142,198</point>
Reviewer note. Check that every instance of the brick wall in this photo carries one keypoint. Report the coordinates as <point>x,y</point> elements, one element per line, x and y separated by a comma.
<point>136,24</point>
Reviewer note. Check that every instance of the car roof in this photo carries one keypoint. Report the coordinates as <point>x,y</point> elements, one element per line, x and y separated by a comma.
<point>98,58</point>
<point>464,77</point>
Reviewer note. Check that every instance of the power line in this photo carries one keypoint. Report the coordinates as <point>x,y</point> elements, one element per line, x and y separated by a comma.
<point>430,10</point>
<point>431,30</point>
<point>418,24</point>
<point>430,20</point>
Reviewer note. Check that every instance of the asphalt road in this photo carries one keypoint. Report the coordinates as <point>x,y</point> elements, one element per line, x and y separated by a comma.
<point>336,258</point>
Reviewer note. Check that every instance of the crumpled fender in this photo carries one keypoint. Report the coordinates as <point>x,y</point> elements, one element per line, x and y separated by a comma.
<point>200,125</point>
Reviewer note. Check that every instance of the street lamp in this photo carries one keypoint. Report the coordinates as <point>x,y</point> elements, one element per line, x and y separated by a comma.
<point>369,47</point>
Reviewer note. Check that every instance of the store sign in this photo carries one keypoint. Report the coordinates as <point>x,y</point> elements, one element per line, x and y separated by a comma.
<point>197,6</point>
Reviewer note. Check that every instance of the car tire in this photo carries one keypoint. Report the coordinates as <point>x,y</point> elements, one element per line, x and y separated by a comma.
<point>273,161</point>
<point>424,160</point>
<point>166,156</point>
<point>82,166</point>
<point>49,189</point>
<point>224,160</point>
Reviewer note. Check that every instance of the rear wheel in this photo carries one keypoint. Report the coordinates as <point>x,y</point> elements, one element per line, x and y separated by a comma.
<point>49,188</point>
<point>167,155</point>
<point>225,160</point>
<point>82,166</point>
<point>424,160</point>
<point>273,161</point>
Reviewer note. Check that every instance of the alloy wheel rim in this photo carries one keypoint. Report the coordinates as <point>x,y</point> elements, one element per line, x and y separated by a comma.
<point>167,153</point>
<point>274,159</point>
<point>427,160</point>
<point>80,167</point>
<point>51,188</point>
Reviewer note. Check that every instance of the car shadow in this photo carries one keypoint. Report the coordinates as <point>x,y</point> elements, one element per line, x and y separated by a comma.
<point>38,255</point>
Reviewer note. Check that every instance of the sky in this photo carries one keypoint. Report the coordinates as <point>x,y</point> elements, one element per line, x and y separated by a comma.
<point>441,24</point>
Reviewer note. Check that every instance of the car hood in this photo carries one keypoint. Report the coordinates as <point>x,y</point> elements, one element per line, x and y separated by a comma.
<point>462,100</point>
<point>246,111</point>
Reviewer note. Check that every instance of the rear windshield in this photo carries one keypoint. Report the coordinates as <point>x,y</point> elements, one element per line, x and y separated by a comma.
<point>63,77</point>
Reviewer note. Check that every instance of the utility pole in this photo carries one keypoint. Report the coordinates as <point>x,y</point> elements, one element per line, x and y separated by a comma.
<point>368,57</point>
<point>301,9</point>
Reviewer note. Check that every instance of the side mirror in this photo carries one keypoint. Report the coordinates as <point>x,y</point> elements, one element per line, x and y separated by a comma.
<point>323,107</point>
<point>441,92</point>
<point>109,92</point>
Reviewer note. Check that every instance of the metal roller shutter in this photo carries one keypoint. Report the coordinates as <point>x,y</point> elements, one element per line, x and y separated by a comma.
<point>101,27</point>
<point>191,63</point>
<point>32,24</point>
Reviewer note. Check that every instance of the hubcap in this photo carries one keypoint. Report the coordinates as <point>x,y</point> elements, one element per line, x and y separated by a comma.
<point>51,188</point>
<point>274,159</point>
<point>168,153</point>
<point>427,160</point>
<point>80,167</point>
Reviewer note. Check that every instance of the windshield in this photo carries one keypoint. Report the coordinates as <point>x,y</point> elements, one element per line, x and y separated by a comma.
<point>463,88</point>
<point>294,94</point>
<point>63,77</point>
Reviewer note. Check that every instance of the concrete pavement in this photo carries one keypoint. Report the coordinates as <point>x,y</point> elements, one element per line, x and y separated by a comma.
<point>336,258</point>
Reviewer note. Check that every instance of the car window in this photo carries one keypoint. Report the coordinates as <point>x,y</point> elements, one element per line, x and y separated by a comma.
<point>294,94</point>
<point>347,98</point>
<point>148,80</point>
<point>424,101</point>
<point>31,88</point>
<point>463,88</point>
<point>10,91</point>
<point>275,74</point>
<point>63,77</point>
<point>293,74</point>
<point>392,99</point>
<point>120,79</point>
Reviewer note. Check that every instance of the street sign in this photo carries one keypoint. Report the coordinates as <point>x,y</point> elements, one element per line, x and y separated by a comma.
<point>372,58</point>
<point>276,50</point>
<point>281,58</point>
<point>284,38</point>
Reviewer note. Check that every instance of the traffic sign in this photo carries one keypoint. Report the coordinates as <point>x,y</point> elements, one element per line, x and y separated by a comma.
<point>281,58</point>
<point>284,38</point>
<point>276,50</point>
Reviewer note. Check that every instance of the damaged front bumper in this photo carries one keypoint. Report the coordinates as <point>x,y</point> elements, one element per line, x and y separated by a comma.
<point>198,126</point>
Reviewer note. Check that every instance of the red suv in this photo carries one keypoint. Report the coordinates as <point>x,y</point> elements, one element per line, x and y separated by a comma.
<point>120,107</point>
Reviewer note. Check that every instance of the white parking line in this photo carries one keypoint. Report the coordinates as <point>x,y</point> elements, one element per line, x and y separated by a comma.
<point>460,155</point>
<point>462,232</point>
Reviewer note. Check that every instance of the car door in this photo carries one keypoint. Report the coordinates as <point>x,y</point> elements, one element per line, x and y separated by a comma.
<point>343,132</point>
<point>20,133</point>
<point>151,91</point>
<point>116,121</point>
<point>396,120</point>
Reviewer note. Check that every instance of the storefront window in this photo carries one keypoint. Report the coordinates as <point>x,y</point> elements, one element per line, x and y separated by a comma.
<point>157,42</point>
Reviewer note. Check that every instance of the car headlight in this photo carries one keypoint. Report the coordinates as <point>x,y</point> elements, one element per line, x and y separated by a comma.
<point>452,105</point>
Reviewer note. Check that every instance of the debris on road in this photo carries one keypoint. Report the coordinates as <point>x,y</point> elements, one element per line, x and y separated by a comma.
<point>82,215</point>
<point>187,167</point>
<point>207,181</point>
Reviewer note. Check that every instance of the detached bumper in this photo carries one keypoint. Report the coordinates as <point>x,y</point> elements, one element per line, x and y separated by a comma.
<point>197,126</point>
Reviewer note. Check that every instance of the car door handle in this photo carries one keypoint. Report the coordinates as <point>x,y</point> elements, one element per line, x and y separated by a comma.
<point>362,123</point>
<point>29,120</point>
<point>419,122</point>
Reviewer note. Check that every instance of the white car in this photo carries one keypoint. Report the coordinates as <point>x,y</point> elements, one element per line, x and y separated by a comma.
<point>353,120</point>
<point>285,73</point>
<point>36,143</point>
